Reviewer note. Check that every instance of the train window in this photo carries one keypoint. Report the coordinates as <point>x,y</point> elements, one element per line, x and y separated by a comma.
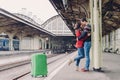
<point>1,43</point>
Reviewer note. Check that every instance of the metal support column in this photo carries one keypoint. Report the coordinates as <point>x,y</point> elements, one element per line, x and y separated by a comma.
<point>49,43</point>
<point>92,31</point>
<point>20,45</point>
<point>97,36</point>
<point>42,43</point>
<point>45,44</point>
<point>11,43</point>
<point>114,43</point>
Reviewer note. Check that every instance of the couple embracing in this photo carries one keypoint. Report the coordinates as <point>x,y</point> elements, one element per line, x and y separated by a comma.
<point>83,44</point>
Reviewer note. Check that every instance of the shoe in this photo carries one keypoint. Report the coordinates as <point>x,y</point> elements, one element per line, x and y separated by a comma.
<point>70,61</point>
<point>77,68</point>
<point>84,70</point>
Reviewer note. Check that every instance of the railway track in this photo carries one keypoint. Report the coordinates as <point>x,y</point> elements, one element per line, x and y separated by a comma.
<point>22,74</point>
<point>14,61</point>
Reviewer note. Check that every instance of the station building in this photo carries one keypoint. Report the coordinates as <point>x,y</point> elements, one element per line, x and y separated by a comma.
<point>20,32</point>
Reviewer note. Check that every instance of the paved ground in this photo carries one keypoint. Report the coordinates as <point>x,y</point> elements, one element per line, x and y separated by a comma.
<point>111,66</point>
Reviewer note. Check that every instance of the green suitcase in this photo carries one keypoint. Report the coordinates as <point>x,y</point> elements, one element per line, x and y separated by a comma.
<point>39,65</point>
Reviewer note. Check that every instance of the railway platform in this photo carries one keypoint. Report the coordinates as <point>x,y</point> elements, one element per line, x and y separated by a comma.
<point>111,70</point>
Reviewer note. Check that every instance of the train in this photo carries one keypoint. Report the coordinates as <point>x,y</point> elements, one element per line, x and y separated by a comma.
<point>5,44</point>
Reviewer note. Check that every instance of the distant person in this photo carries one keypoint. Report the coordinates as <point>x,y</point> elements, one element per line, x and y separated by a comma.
<point>87,44</point>
<point>79,46</point>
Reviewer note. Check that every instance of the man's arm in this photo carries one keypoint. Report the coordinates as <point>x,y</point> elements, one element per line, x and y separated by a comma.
<point>83,35</point>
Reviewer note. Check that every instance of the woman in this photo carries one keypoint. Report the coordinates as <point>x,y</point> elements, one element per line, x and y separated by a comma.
<point>79,46</point>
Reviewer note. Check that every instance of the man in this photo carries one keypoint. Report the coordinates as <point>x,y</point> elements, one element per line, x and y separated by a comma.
<point>87,43</point>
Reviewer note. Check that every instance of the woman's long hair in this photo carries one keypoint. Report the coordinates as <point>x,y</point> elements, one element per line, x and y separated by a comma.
<point>78,26</point>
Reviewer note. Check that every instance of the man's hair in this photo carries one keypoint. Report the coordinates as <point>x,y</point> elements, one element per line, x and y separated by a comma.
<point>83,19</point>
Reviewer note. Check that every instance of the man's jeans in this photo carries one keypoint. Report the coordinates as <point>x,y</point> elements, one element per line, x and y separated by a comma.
<point>87,46</point>
<point>80,56</point>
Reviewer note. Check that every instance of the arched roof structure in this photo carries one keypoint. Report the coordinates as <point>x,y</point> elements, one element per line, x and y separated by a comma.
<point>57,26</point>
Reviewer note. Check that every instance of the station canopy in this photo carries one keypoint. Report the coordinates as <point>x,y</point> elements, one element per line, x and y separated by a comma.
<point>69,10</point>
<point>13,22</point>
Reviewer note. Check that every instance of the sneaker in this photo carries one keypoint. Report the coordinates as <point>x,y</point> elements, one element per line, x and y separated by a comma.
<point>70,61</point>
<point>84,70</point>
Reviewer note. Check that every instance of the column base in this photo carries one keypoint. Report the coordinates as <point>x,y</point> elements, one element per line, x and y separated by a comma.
<point>98,69</point>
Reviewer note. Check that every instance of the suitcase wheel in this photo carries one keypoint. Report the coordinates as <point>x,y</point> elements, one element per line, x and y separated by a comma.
<point>44,75</point>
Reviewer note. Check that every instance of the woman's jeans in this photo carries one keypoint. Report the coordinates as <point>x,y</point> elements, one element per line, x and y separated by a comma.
<point>80,56</point>
<point>87,46</point>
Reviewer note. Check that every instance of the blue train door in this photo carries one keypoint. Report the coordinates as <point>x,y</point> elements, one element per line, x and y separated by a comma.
<point>16,43</point>
<point>4,44</point>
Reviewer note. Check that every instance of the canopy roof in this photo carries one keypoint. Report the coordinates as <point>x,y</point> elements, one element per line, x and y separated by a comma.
<point>72,9</point>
